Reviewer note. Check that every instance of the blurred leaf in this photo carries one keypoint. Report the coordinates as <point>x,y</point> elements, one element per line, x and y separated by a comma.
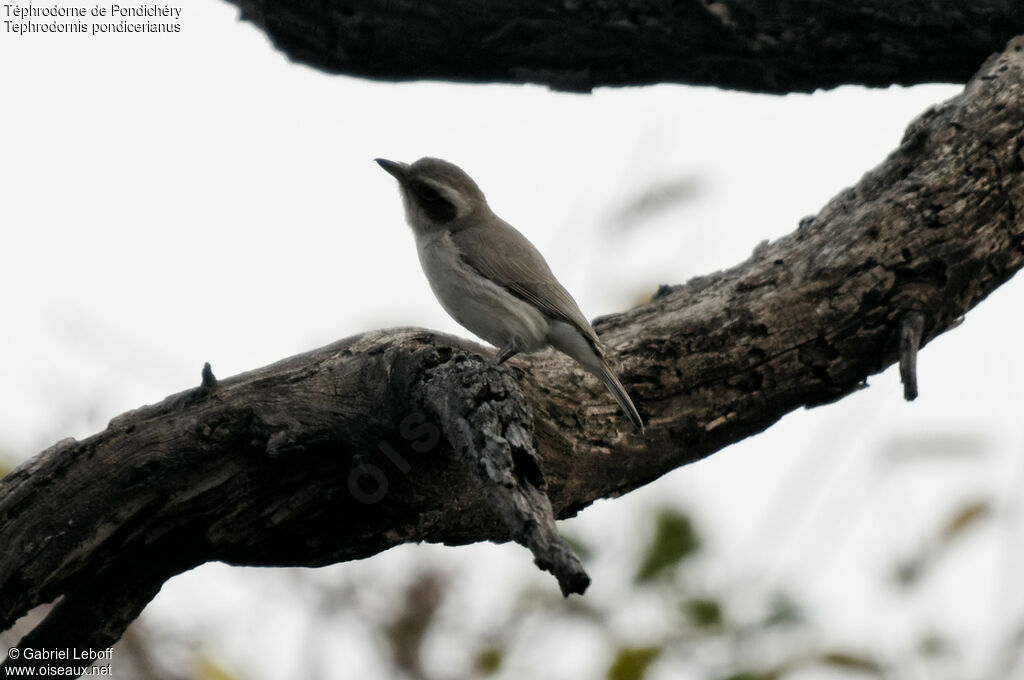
<point>208,669</point>
<point>1011,657</point>
<point>911,570</point>
<point>851,662</point>
<point>704,612</point>
<point>674,540</point>
<point>579,546</point>
<point>6,462</point>
<point>488,661</point>
<point>659,198</point>
<point>631,663</point>
<point>934,645</point>
<point>783,611</point>
<point>641,294</point>
<point>542,598</point>
<point>407,629</point>
<point>932,446</point>
<point>967,516</point>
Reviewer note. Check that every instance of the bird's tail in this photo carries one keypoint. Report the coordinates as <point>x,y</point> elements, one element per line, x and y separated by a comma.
<point>587,351</point>
<point>604,372</point>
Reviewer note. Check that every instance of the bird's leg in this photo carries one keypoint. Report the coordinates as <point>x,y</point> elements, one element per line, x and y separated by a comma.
<point>505,353</point>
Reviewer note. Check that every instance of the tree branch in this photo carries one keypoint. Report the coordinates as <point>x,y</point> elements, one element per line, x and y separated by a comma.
<point>400,435</point>
<point>911,327</point>
<point>494,432</point>
<point>755,45</point>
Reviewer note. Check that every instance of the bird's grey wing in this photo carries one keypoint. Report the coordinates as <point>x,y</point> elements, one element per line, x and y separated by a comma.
<point>504,256</point>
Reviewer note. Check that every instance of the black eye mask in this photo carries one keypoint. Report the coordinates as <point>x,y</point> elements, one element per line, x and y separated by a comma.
<point>436,206</point>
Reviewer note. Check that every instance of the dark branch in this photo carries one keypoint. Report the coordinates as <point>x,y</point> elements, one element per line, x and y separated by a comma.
<point>911,328</point>
<point>486,420</point>
<point>209,379</point>
<point>349,450</point>
<point>95,612</point>
<point>576,45</point>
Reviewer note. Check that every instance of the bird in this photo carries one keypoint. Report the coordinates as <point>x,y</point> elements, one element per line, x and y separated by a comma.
<point>489,277</point>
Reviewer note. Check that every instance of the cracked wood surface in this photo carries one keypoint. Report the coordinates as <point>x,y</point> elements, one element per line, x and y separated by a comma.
<point>577,45</point>
<point>328,456</point>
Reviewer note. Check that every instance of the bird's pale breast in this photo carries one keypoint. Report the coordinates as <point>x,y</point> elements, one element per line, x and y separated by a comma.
<point>482,307</point>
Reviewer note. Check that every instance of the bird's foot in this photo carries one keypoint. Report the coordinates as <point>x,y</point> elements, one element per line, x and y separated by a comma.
<point>505,353</point>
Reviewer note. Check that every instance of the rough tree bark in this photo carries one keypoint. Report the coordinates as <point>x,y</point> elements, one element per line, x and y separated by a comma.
<point>757,45</point>
<point>406,435</point>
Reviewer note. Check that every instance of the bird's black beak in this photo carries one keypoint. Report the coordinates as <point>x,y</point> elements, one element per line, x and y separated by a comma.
<point>393,168</point>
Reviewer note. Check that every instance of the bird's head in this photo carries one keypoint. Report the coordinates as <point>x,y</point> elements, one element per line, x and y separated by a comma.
<point>436,193</point>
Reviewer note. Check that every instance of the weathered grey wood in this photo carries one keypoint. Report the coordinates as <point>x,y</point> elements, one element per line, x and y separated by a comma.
<point>911,328</point>
<point>486,420</point>
<point>756,45</point>
<point>339,453</point>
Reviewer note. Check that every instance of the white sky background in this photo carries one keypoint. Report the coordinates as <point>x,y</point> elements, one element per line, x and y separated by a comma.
<point>170,200</point>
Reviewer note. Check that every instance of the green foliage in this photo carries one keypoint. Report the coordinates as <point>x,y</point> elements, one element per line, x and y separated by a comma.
<point>675,539</point>
<point>965,517</point>
<point>912,569</point>
<point>208,669</point>
<point>488,660</point>
<point>6,462</point>
<point>936,447</point>
<point>710,624</point>
<point>851,662</point>
<point>631,663</point>
<point>580,547</point>
<point>704,612</point>
<point>783,611</point>
<point>909,572</point>
<point>406,631</point>
<point>933,645</point>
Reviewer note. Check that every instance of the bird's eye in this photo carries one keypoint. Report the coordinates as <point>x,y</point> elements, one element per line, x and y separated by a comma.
<point>427,194</point>
<point>433,203</point>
